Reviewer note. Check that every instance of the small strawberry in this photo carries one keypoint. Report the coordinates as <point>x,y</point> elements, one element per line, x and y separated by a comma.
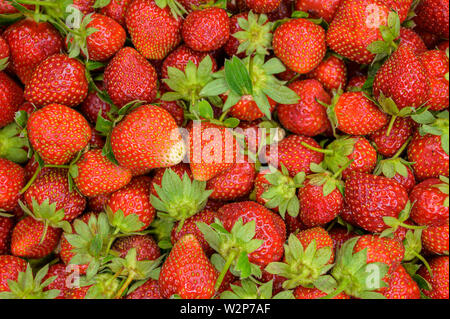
<point>175,109</point>
<point>149,290</point>
<point>11,97</point>
<point>263,6</point>
<point>401,285</point>
<point>318,9</point>
<point>436,67</point>
<point>154,30</point>
<point>116,9</point>
<point>331,72</point>
<point>12,181</point>
<point>6,227</point>
<point>70,86</point>
<point>146,247</point>
<point>57,133</point>
<point>435,239</point>
<point>129,77</point>
<point>31,43</point>
<point>300,45</point>
<point>206,30</point>
<point>187,271</point>
<point>10,267</point>
<point>433,16</point>
<point>438,279</point>
<point>356,83</point>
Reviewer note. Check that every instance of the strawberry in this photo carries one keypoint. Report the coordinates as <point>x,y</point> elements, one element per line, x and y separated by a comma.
<point>313,293</point>
<point>340,235</point>
<point>6,7</point>
<point>180,169</point>
<point>234,183</point>
<point>129,77</point>
<point>146,247</point>
<point>371,197</point>
<point>11,97</point>
<point>154,31</point>
<point>331,72</point>
<point>320,236</point>
<point>31,43</point>
<point>300,45</point>
<point>438,280</point>
<point>4,53</point>
<point>436,67</point>
<point>318,9</point>
<point>134,199</point>
<point>149,290</point>
<point>411,38</point>
<point>6,226</point>
<point>32,238</point>
<point>435,239</point>
<point>263,6</point>
<point>116,9</point>
<point>52,185</point>
<point>206,30</point>
<point>10,267</point>
<point>443,46</point>
<point>187,271</point>
<point>283,11</point>
<point>175,109</point>
<point>57,133</point>
<point>85,6</point>
<point>388,145</point>
<point>93,104</point>
<point>147,138</point>
<point>307,117</point>
<point>76,293</point>
<point>430,200</point>
<point>12,181</point>
<point>356,83</point>
<point>60,272</point>
<point>401,286</point>
<point>97,175</point>
<point>98,203</point>
<point>433,16</point>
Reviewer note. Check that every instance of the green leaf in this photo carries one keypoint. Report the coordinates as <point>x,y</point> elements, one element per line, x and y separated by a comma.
<point>237,77</point>
<point>205,110</point>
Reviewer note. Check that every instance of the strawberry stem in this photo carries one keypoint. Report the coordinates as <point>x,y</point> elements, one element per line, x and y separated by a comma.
<point>343,168</point>
<point>427,265</point>
<point>44,233</point>
<point>338,290</point>
<point>400,151</point>
<point>38,3</point>
<point>125,285</point>
<point>320,150</point>
<point>391,125</point>
<point>224,271</point>
<point>31,181</point>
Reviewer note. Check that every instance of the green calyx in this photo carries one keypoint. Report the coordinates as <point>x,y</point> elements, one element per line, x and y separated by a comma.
<point>353,275</point>
<point>282,192</point>
<point>413,247</point>
<point>104,286</point>
<point>125,224</point>
<point>256,35</point>
<point>176,8</point>
<point>12,144</point>
<point>390,34</point>
<point>251,77</point>
<point>161,230</point>
<point>250,290</point>
<point>394,165</point>
<point>395,223</point>
<point>437,124</point>
<point>178,199</point>
<point>331,114</point>
<point>328,180</point>
<point>337,153</point>
<point>28,286</point>
<point>303,267</point>
<point>77,38</point>
<point>233,248</point>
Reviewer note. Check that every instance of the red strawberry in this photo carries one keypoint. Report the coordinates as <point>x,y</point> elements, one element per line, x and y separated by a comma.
<point>234,183</point>
<point>283,11</point>
<point>300,45</point>
<point>59,270</point>
<point>313,293</point>
<point>307,117</point>
<point>318,9</point>
<point>147,138</point>
<point>370,198</point>
<point>134,198</point>
<point>206,30</point>
<point>340,235</point>
<point>175,109</point>
<point>4,53</point>
<point>187,271</point>
<point>154,31</point>
<point>433,16</point>
<point>76,293</point>
<point>438,280</point>
<point>85,6</point>
<point>356,83</point>
<point>232,45</point>
<point>6,226</point>
<point>11,182</point>
<point>331,72</point>
<point>98,203</point>
<point>247,109</point>
<point>320,235</point>
<point>263,6</point>
<point>10,266</point>
<point>435,239</point>
<point>116,9</point>
<point>97,175</point>
<point>429,199</point>
<point>31,43</point>
<point>401,286</point>
<point>146,247</point>
<point>92,105</point>
<point>6,7</point>
<point>32,239</point>
<point>57,133</point>
<point>149,290</point>
<point>436,67</point>
<point>11,97</point>
<point>411,38</point>
<point>388,145</point>
<point>69,88</point>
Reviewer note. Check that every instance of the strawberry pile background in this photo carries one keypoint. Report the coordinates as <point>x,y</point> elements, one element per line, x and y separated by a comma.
<point>97,202</point>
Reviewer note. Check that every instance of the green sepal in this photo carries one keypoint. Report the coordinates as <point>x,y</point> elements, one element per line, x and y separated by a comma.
<point>249,290</point>
<point>256,35</point>
<point>13,143</point>
<point>139,269</point>
<point>126,224</point>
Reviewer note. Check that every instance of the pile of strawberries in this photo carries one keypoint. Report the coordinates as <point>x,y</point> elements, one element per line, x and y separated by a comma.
<point>224,149</point>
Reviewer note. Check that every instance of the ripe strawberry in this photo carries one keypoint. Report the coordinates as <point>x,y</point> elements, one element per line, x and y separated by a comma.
<point>154,31</point>
<point>59,270</point>
<point>388,145</point>
<point>57,133</point>
<point>411,38</point>
<point>320,235</point>
<point>187,271</point>
<point>6,227</point>
<point>433,16</point>
<point>116,9</point>
<point>401,286</point>
<point>270,228</point>
<point>435,239</point>
<point>31,43</point>
<point>10,266</point>
<point>356,83</point>
<point>262,6</point>
<point>33,239</point>
<point>146,247</point>
<point>370,198</point>
<point>12,181</point>
<point>307,117</point>
<point>331,72</point>
<point>356,115</point>
<point>206,30</point>
<point>190,227</point>
<point>295,156</point>
<point>300,45</point>
<point>97,175</point>
<point>149,290</point>
<point>4,53</point>
<point>129,77</point>
<point>92,105</point>
<point>318,9</point>
<point>313,293</point>
<point>429,198</point>
<point>147,138</point>
<point>76,293</point>
<point>283,11</point>
<point>85,6</point>
<point>246,108</point>
<point>438,280</point>
<point>98,203</point>
<point>134,198</point>
<point>233,183</point>
<point>436,67</point>
<point>340,235</point>
<point>174,108</point>
<point>11,97</point>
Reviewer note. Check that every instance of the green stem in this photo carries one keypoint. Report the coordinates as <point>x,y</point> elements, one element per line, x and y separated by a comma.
<point>320,150</point>
<point>111,240</point>
<point>343,168</point>
<point>411,226</point>
<point>427,266</point>
<point>222,117</point>
<point>38,3</point>
<point>400,151</point>
<point>56,166</point>
<point>224,271</point>
<point>31,181</point>
<point>45,232</point>
<point>391,125</point>
<point>180,225</point>
<point>338,290</point>
<point>125,286</point>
